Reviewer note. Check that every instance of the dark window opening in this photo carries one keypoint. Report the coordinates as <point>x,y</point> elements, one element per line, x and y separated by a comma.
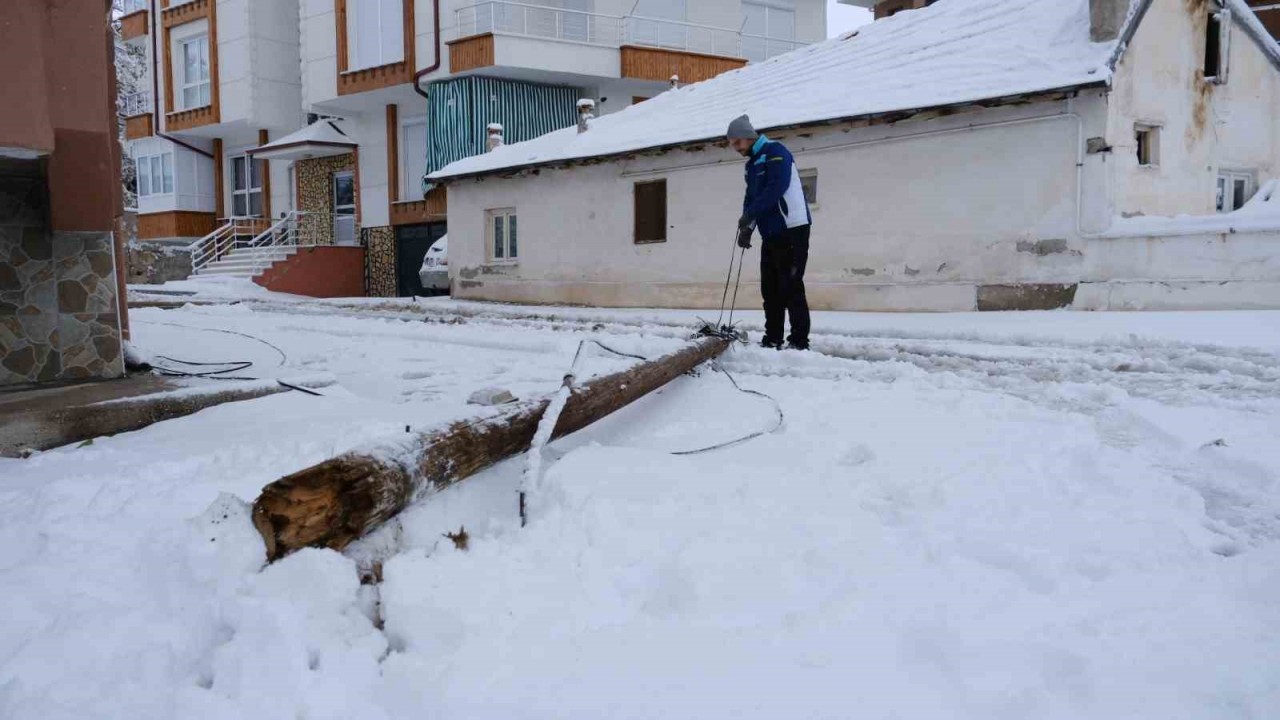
<point>809,183</point>
<point>651,211</point>
<point>1213,48</point>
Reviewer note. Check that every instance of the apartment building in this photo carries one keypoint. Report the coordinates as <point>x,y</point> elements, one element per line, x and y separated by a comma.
<point>224,79</point>
<point>313,122</point>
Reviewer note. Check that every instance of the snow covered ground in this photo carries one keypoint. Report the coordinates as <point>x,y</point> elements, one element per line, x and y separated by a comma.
<point>1040,515</point>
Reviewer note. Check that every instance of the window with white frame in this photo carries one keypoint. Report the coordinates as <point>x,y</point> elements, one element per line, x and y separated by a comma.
<point>155,174</point>
<point>375,33</point>
<point>413,160</point>
<point>246,186</point>
<point>1234,190</point>
<point>194,75</point>
<point>503,246</point>
<point>769,28</point>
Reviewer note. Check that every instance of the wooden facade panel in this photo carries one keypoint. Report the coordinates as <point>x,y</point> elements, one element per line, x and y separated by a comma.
<point>139,126</point>
<point>188,119</point>
<point>646,63</point>
<point>433,209</point>
<point>135,25</point>
<point>374,78</point>
<point>175,224</point>
<point>471,53</point>
<point>185,13</point>
<point>350,83</point>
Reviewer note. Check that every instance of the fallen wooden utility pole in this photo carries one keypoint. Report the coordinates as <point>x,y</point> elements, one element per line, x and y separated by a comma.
<point>339,500</point>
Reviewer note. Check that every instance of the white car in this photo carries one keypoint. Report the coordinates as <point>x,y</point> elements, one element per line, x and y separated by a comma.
<point>434,272</point>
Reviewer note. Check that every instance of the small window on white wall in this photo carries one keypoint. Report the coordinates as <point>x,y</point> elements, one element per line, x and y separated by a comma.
<point>375,33</point>
<point>1148,140</point>
<point>195,72</point>
<point>1217,47</point>
<point>1234,190</point>
<point>502,235</point>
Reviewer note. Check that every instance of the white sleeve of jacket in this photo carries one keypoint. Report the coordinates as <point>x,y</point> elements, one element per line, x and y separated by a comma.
<point>796,211</point>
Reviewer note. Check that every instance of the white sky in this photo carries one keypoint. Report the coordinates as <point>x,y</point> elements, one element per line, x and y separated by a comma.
<point>842,18</point>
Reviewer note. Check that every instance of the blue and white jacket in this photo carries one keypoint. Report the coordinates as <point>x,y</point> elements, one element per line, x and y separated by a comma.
<point>775,198</point>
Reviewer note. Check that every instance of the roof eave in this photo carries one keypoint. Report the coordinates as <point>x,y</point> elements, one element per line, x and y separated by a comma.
<point>885,117</point>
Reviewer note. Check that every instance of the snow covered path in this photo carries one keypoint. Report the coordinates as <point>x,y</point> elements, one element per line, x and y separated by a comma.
<point>1002,516</point>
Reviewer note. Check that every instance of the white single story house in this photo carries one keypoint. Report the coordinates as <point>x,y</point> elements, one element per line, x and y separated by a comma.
<point>974,154</point>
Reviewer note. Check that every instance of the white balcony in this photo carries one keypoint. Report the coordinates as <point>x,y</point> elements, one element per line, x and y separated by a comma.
<point>612,31</point>
<point>135,104</point>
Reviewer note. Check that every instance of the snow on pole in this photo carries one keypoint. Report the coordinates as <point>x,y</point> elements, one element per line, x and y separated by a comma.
<point>531,480</point>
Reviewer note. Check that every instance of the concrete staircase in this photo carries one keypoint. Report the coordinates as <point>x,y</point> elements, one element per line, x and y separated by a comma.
<point>247,262</point>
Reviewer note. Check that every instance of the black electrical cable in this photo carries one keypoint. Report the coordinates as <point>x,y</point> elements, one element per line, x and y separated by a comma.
<point>777,407</point>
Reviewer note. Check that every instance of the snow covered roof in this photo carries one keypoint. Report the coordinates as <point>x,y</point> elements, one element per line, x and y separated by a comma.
<point>319,139</point>
<point>956,51</point>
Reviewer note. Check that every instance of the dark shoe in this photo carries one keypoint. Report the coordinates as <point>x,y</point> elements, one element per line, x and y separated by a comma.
<point>793,345</point>
<point>768,344</point>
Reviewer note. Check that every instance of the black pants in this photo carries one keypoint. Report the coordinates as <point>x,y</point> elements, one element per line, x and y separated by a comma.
<point>782,262</point>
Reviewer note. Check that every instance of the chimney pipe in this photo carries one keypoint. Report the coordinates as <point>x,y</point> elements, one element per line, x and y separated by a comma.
<point>1106,19</point>
<point>586,111</point>
<point>495,136</point>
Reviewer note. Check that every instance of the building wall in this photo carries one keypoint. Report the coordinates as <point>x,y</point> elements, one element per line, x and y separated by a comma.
<point>999,206</point>
<point>1204,127</point>
<point>58,290</point>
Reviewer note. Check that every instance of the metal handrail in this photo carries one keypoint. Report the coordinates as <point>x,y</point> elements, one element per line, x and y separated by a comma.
<point>134,104</point>
<point>222,241</point>
<point>771,46</point>
<point>251,243</point>
<point>549,22</point>
<point>680,35</point>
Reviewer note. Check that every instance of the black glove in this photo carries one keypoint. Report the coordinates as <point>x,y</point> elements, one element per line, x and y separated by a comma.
<point>745,222</point>
<point>744,237</point>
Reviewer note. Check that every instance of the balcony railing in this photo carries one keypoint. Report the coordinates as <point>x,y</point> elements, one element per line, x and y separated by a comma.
<point>538,21</point>
<point>757,48</point>
<point>132,6</point>
<point>138,103</point>
<point>514,18</point>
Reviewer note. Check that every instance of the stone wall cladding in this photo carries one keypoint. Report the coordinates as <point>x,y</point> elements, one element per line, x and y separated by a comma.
<point>156,263</point>
<point>58,314</point>
<point>315,193</point>
<point>380,261</point>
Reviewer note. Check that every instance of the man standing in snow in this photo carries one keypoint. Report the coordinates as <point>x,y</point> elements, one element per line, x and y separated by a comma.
<point>775,205</point>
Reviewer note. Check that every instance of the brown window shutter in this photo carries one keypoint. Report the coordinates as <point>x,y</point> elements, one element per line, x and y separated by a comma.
<point>651,211</point>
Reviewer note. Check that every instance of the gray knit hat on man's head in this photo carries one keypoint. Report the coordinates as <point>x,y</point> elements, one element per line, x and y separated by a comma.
<point>741,128</point>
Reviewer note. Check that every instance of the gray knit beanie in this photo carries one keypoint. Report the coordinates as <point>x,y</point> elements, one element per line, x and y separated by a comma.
<point>741,128</point>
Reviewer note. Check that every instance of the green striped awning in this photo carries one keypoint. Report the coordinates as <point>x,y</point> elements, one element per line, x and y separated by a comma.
<point>459,112</point>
